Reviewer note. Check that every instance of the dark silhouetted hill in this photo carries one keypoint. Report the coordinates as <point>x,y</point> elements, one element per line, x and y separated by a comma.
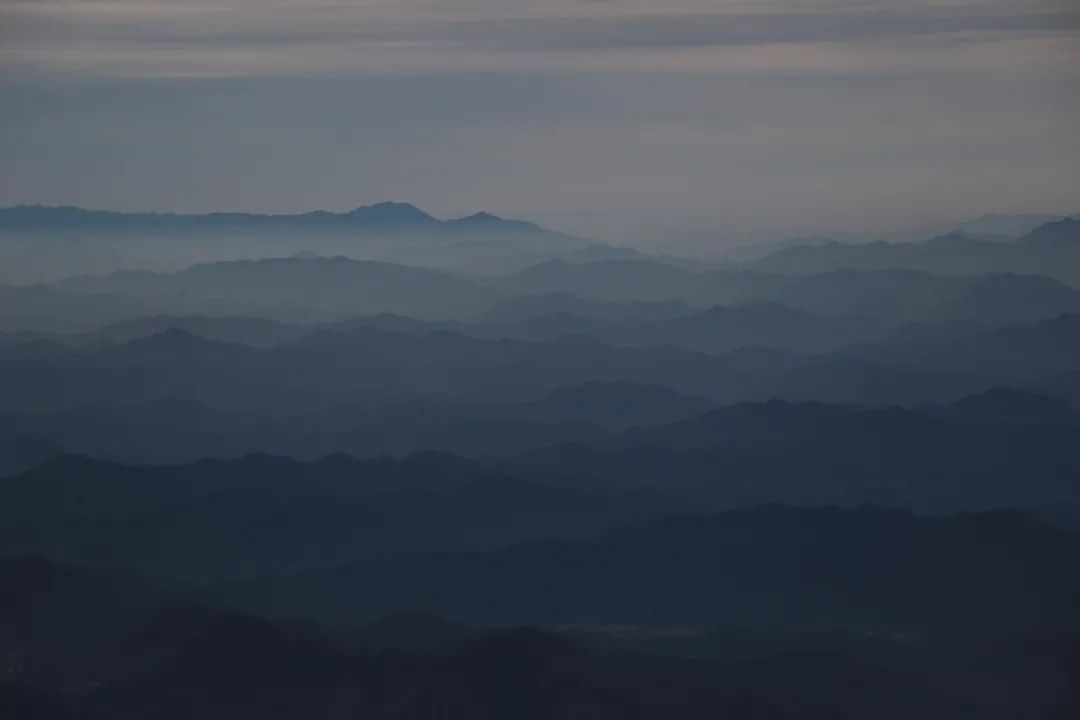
<point>815,453</point>
<point>363,365</point>
<point>330,287</point>
<point>46,243</point>
<point>524,307</point>
<point>1051,249</point>
<point>185,662</point>
<point>1008,405</point>
<point>221,519</point>
<point>380,216</point>
<point>774,565</point>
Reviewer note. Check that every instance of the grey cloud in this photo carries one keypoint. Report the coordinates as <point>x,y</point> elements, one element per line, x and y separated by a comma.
<point>347,31</point>
<point>748,29</point>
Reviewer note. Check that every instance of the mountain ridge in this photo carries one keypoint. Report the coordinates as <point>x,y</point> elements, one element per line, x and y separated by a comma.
<point>1050,249</point>
<point>387,213</point>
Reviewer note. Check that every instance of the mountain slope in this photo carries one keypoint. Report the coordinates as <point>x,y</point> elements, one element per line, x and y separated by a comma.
<point>380,216</point>
<point>1052,249</point>
<point>328,288</point>
<point>261,514</point>
<point>813,453</point>
<point>773,565</point>
<point>184,662</point>
<point>45,243</point>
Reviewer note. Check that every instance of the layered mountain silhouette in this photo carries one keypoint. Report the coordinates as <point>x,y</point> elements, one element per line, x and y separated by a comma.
<point>51,242</point>
<point>1051,249</point>
<point>265,513</point>
<point>378,216</point>
<point>357,362</point>
<point>169,659</point>
<point>773,565</point>
<point>318,286</point>
<point>380,464</point>
<point>886,293</point>
<point>260,514</point>
<point>964,457</point>
<point>362,365</point>
<point>225,387</point>
<point>174,429</point>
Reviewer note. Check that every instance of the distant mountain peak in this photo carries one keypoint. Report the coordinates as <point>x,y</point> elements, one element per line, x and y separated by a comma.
<point>1010,404</point>
<point>391,212</point>
<point>169,343</point>
<point>377,215</point>
<point>1065,231</point>
<point>486,220</point>
<point>956,238</point>
<point>175,334</point>
<point>481,217</point>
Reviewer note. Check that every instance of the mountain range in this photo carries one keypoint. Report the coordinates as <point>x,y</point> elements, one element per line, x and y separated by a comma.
<point>49,243</point>
<point>319,290</point>
<point>1051,249</point>
<point>377,464</point>
<point>380,216</point>
<point>85,644</point>
<point>262,513</point>
<point>773,565</point>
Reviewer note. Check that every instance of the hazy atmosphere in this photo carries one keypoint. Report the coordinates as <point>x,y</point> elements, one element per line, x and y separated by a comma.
<point>613,118</point>
<point>562,360</point>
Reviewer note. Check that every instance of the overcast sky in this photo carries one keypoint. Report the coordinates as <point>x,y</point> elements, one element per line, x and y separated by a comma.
<point>785,116</point>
